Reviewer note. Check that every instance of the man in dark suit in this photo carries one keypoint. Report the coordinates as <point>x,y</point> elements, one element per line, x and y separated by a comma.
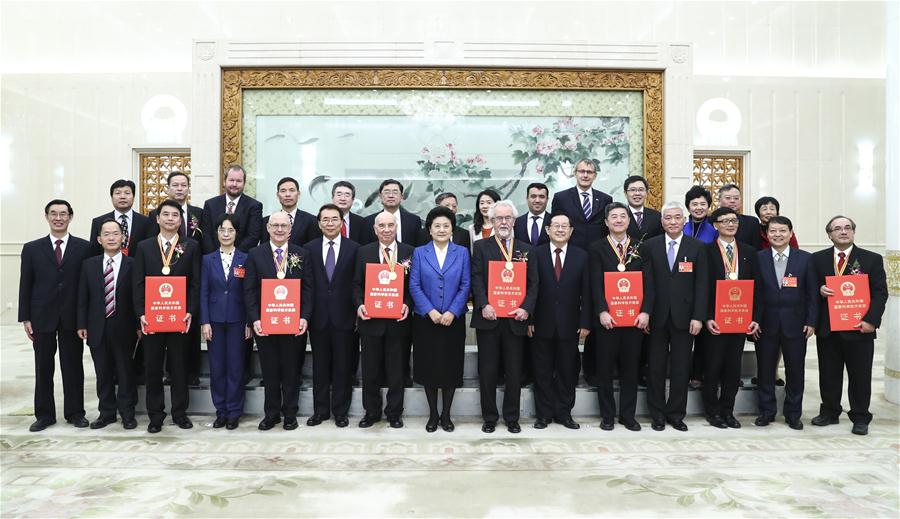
<point>680,276</point>
<point>385,342</point>
<point>408,224</point>
<point>353,226</point>
<point>532,226</point>
<point>644,222</point>
<point>134,223</point>
<point>501,332</point>
<point>331,331</point>
<point>107,322</point>
<point>853,349</point>
<point>748,230</point>
<point>561,317</point>
<point>728,259</point>
<point>304,227</point>
<point>48,285</point>
<point>167,254</point>
<point>279,353</point>
<point>247,211</point>
<point>790,298</point>
<point>460,235</point>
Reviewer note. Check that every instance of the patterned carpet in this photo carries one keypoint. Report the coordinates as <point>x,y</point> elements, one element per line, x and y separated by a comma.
<point>381,472</point>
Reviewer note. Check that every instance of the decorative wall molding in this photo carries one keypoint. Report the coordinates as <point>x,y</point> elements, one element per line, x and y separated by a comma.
<point>892,269</point>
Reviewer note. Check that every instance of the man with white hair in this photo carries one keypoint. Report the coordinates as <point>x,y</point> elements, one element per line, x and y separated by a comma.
<point>501,332</point>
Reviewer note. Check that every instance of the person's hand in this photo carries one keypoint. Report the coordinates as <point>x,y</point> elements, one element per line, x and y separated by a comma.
<point>144,324</point>
<point>713,327</point>
<point>139,334</point>
<point>29,331</point>
<point>361,312</point>
<point>809,331</point>
<point>303,325</point>
<point>206,331</point>
<point>447,318</point>
<point>695,327</point>
<point>489,313</point>
<point>520,314</point>
<point>82,334</point>
<point>404,313</point>
<point>257,327</point>
<point>642,321</point>
<point>865,327</point>
<point>247,333</point>
<point>530,330</point>
<point>607,321</point>
<point>187,322</point>
<point>435,316</point>
<point>754,330</point>
<point>583,332</point>
<point>825,291</point>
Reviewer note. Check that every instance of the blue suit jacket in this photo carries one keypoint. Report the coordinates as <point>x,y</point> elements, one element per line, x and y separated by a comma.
<point>707,233</point>
<point>434,288</point>
<point>221,299</point>
<point>786,310</point>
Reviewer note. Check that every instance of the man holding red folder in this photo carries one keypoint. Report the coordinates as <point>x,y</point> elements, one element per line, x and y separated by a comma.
<point>853,349</point>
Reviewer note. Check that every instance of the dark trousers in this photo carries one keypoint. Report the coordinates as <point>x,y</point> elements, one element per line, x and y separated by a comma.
<point>113,365</point>
<point>698,360</point>
<point>332,351</point>
<point>278,360</point>
<point>157,347</point>
<point>669,347</point>
<point>491,344</point>
<point>555,364</point>
<point>618,348</point>
<point>194,354</point>
<point>835,352</point>
<point>794,350</point>
<point>722,372</point>
<point>71,351</point>
<point>589,359</point>
<point>383,353</point>
<point>226,368</point>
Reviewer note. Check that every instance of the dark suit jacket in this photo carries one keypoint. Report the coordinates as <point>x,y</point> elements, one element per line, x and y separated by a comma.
<point>683,296</point>
<point>460,237</point>
<point>333,300</point>
<point>221,298</point>
<point>589,230</point>
<point>358,230</point>
<point>138,232</point>
<point>261,265</point>
<point>123,324</point>
<point>442,289</point>
<point>748,269</point>
<point>410,225</point>
<point>651,224</point>
<point>304,230</point>
<point>748,231</point>
<point>522,229</point>
<point>47,292</point>
<point>604,259</point>
<point>786,310</point>
<point>195,230</point>
<point>564,306</point>
<point>371,253</point>
<point>248,214</point>
<point>148,262</point>
<point>870,263</point>
<point>485,251</point>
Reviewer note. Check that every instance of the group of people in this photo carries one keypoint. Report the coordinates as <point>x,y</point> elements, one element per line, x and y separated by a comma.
<point>74,291</point>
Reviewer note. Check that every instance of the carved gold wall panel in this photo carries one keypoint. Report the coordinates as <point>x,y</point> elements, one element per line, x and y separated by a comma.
<point>714,171</point>
<point>650,83</point>
<point>155,168</point>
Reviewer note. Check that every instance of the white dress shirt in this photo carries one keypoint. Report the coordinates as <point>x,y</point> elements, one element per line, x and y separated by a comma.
<point>441,254</point>
<point>590,197</point>
<point>62,246</point>
<point>846,255</point>
<point>337,248</point>
<point>117,262</point>
<point>227,260</point>
<point>392,246</point>
<point>734,249</point>
<point>562,255</point>
<point>129,218</point>
<point>235,200</point>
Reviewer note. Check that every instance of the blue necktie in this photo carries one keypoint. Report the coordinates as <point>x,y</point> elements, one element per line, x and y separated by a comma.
<point>329,261</point>
<point>671,254</point>
<point>534,230</point>
<point>586,206</point>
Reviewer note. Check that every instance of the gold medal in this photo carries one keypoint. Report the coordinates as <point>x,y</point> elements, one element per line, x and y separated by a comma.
<point>167,258</point>
<point>507,254</point>
<point>732,275</point>
<point>730,266</point>
<point>509,265</point>
<point>280,274</point>
<point>621,267</point>
<point>166,270</point>
<point>393,276</point>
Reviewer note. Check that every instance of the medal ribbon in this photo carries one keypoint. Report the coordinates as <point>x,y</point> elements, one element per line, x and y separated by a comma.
<point>167,258</point>
<point>839,269</point>
<point>390,259</point>
<point>731,266</point>
<point>279,267</point>
<point>616,251</point>
<point>507,254</point>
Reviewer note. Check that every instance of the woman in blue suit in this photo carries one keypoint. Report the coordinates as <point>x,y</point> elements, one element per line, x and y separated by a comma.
<point>439,286</point>
<point>698,200</point>
<point>223,322</point>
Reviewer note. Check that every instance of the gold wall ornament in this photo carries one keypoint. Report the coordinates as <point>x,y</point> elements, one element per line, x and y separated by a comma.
<point>713,171</point>
<point>649,82</point>
<point>155,168</point>
<point>892,269</point>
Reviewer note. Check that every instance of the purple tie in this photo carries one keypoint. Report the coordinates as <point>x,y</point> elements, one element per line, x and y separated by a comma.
<point>329,261</point>
<point>534,230</point>
<point>278,258</point>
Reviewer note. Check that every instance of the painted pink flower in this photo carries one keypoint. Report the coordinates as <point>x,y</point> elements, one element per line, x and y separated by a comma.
<point>479,159</point>
<point>425,151</point>
<point>537,130</point>
<point>539,168</point>
<point>470,161</point>
<point>570,145</point>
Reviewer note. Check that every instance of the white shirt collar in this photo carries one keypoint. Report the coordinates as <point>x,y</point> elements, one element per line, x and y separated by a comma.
<point>65,240</point>
<point>129,214</point>
<point>162,241</point>
<point>393,247</point>
<point>564,248</point>
<point>640,209</point>
<point>677,241</point>
<point>229,199</point>
<point>787,253</point>
<point>117,259</point>
<point>846,252</point>
<point>284,248</point>
<point>337,242</point>
<point>589,191</point>
<point>726,244</point>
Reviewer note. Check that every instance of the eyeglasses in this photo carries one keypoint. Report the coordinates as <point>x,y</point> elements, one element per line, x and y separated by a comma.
<point>728,221</point>
<point>54,214</point>
<point>636,190</point>
<point>560,227</point>
<point>110,234</point>
<point>584,171</point>
<point>503,218</point>
<point>390,192</point>
<point>226,231</point>
<point>279,226</point>
<point>330,220</point>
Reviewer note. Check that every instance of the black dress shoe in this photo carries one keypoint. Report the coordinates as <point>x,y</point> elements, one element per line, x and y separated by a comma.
<point>779,382</point>
<point>231,424</point>
<point>630,424</point>
<point>268,422</point>
<point>102,422</point>
<point>313,420</point>
<point>290,423</point>
<point>678,425</point>
<point>154,428</point>
<point>41,424</point>
<point>607,424</point>
<point>395,423</point>
<point>861,429</point>
<point>183,422</point>
<point>488,427</point>
<point>540,423</point>
<point>447,424</point>
<point>658,426</point>
<point>794,423</point>
<point>732,422</point>
<point>408,382</point>
<point>513,427</point>
<point>716,421</point>
<point>368,421</point>
<point>220,422</point>
<point>569,423</point>
<point>129,423</point>
<point>763,420</point>
<point>341,421</point>
<point>823,420</point>
<point>79,422</point>
<point>432,424</point>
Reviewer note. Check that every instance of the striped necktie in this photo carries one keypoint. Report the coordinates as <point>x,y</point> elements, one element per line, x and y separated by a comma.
<point>109,288</point>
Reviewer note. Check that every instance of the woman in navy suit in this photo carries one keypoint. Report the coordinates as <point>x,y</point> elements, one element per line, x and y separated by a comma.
<point>223,322</point>
<point>439,286</point>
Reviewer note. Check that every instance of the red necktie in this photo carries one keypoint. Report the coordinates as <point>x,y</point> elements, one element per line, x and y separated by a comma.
<point>344,228</point>
<point>58,252</point>
<point>842,257</point>
<point>621,251</point>
<point>557,265</point>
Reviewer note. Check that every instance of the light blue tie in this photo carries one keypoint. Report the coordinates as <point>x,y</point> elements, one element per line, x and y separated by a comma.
<point>671,254</point>
<point>586,206</point>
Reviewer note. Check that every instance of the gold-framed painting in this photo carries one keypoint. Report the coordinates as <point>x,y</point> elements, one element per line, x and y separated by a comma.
<point>440,129</point>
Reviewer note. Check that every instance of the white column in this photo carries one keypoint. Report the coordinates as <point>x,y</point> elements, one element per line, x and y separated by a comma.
<point>891,320</point>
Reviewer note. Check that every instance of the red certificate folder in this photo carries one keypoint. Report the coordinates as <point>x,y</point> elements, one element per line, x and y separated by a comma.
<point>850,301</point>
<point>384,296</point>
<point>165,304</point>
<point>279,309</point>
<point>624,292</point>
<point>506,288</point>
<point>734,305</point>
